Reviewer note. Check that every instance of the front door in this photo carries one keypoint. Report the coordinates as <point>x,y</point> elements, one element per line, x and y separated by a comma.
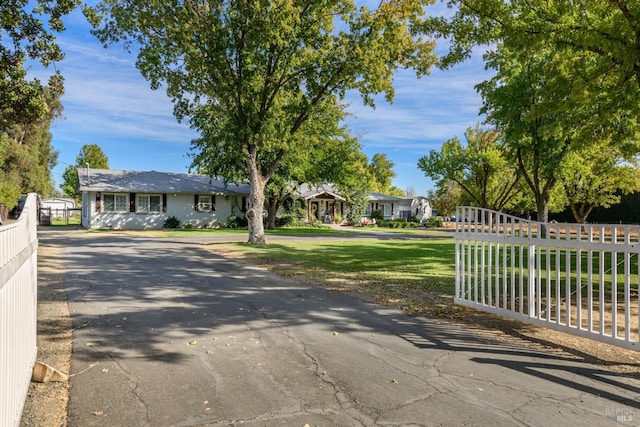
<point>315,210</point>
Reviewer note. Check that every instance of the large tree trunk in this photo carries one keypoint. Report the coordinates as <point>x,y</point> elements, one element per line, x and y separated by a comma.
<point>581,211</point>
<point>543,214</point>
<point>272,206</point>
<point>255,205</point>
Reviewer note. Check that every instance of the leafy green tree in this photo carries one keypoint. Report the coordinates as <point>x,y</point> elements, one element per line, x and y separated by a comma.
<point>542,121</point>
<point>596,55</point>
<point>597,178</point>
<point>26,37</point>
<point>481,168</point>
<point>561,84</point>
<point>249,75</point>
<point>90,156</point>
<point>381,171</point>
<point>357,197</point>
<point>328,154</point>
<point>27,157</point>
<point>396,191</point>
<point>28,107</point>
<point>446,198</point>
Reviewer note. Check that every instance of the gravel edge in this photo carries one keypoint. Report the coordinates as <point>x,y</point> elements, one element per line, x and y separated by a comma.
<point>46,403</point>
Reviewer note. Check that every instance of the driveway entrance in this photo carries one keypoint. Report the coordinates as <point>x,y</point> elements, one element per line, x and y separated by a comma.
<point>166,333</point>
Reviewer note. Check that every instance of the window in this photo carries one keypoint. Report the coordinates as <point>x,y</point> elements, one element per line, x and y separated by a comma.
<point>116,202</point>
<point>149,203</point>
<point>205,203</point>
<point>387,209</point>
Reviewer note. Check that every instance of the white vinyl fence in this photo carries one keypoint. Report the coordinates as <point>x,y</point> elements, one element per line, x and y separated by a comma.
<point>18,300</point>
<point>581,279</point>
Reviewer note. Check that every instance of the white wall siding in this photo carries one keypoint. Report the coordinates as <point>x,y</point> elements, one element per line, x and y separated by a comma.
<point>180,206</point>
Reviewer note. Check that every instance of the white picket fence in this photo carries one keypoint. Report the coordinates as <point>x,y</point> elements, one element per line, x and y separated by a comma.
<point>581,279</point>
<point>18,301</point>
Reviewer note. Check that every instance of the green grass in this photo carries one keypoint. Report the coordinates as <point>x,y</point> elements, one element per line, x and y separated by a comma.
<point>72,220</point>
<point>419,274</point>
<point>283,231</point>
<point>572,258</point>
<point>180,232</point>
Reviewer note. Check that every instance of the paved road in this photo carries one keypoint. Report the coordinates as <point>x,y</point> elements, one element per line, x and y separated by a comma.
<point>167,334</point>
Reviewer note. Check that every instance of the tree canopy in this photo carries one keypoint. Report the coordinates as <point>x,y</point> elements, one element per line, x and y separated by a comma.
<point>597,178</point>
<point>25,37</point>
<point>90,156</point>
<point>28,106</point>
<point>481,168</point>
<point>596,61</point>
<point>381,170</point>
<point>567,81</point>
<point>250,75</point>
<point>27,157</point>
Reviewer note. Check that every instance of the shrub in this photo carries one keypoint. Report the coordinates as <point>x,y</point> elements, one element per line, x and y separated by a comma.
<point>378,215</point>
<point>232,221</point>
<point>242,221</point>
<point>287,220</point>
<point>433,221</point>
<point>337,219</point>
<point>171,222</point>
<point>188,226</point>
<point>300,214</point>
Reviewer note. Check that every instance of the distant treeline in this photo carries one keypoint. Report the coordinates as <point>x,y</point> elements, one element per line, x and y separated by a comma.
<point>625,212</point>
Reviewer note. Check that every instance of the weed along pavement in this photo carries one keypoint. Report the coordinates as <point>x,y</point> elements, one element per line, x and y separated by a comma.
<point>168,334</point>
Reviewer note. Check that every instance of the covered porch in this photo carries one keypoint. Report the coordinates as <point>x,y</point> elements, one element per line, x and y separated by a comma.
<point>323,203</point>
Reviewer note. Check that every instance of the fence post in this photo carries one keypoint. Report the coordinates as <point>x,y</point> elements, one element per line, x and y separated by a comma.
<point>531,269</point>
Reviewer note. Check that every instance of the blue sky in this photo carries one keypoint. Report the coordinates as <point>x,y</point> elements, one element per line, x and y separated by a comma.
<point>107,102</point>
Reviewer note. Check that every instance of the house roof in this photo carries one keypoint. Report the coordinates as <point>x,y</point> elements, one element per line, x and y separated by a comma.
<point>154,182</point>
<point>384,197</point>
<point>306,191</point>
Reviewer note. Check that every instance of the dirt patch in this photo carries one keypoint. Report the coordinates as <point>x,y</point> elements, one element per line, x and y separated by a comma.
<point>46,403</point>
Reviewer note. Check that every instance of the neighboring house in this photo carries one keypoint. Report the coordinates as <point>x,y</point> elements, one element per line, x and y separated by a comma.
<point>144,200</point>
<point>58,206</point>
<point>323,202</point>
<point>389,205</point>
<point>418,207</point>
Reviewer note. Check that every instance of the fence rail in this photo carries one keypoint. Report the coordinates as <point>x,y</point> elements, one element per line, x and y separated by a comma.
<point>581,279</point>
<point>18,305</point>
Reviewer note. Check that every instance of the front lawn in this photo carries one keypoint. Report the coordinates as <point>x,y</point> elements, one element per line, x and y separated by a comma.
<point>417,275</point>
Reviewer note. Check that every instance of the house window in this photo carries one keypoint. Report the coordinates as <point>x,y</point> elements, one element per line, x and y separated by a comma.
<point>206,203</point>
<point>115,202</point>
<point>147,203</point>
<point>386,209</point>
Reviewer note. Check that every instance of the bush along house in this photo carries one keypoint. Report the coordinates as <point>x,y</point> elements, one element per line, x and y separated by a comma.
<point>135,200</point>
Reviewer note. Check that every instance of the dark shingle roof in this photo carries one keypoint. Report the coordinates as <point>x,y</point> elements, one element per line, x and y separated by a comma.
<point>154,182</point>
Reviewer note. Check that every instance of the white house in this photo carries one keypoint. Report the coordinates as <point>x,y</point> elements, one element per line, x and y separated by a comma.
<point>418,207</point>
<point>389,205</point>
<point>324,203</point>
<point>122,199</point>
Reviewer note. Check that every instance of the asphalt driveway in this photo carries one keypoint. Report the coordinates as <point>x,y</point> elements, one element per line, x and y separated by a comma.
<point>167,334</point>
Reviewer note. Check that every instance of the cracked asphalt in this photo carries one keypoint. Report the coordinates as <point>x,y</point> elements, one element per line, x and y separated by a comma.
<point>168,334</point>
